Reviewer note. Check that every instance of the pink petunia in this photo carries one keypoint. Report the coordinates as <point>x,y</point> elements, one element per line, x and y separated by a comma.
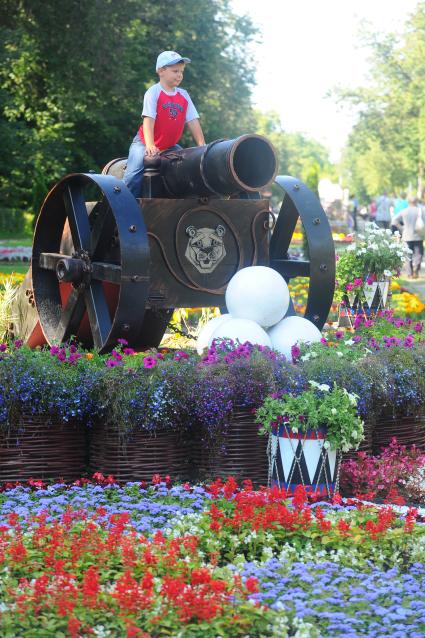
<point>149,362</point>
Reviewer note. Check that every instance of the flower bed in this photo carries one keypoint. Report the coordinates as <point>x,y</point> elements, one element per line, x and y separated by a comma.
<point>157,560</point>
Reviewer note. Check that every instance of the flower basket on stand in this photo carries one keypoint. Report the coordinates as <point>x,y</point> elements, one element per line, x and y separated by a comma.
<point>301,458</point>
<point>42,447</point>
<point>364,271</point>
<point>371,297</point>
<point>139,455</point>
<point>307,433</point>
<point>366,445</point>
<point>237,451</point>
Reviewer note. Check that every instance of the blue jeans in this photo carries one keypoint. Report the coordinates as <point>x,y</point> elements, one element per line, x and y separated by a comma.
<point>133,176</point>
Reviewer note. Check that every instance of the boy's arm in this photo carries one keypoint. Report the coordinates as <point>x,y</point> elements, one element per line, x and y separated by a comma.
<point>194,127</point>
<point>148,127</point>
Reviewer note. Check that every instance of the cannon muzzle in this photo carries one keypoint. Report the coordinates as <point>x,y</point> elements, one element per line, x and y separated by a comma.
<point>224,167</point>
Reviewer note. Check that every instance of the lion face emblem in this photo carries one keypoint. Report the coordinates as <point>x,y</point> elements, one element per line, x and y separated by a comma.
<point>205,249</point>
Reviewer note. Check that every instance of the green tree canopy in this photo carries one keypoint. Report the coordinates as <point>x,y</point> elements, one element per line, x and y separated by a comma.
<point>386,149</point>
<point>73,75</point>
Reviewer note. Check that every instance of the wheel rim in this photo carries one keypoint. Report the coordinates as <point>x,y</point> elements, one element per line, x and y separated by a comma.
<point>300,202</point>
<point>106,276</point>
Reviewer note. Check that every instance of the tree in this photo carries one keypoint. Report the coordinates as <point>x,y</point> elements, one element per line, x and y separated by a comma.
<point>73,75</point>
<point>386,150</point>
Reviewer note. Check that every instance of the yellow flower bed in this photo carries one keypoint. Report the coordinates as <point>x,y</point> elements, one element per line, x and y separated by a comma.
<point>14,278</point>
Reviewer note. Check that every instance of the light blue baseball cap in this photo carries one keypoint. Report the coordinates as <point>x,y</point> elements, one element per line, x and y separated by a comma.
<point>167,58</point>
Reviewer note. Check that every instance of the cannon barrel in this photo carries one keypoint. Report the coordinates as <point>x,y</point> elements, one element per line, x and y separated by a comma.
<point>224,167</point>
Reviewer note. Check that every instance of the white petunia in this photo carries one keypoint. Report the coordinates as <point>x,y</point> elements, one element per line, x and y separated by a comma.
<point>324,387</point>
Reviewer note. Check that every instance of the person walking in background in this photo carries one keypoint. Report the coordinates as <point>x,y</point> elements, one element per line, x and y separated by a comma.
<point>371,209</point>
<point>409,216</point>
<point>383,211</point>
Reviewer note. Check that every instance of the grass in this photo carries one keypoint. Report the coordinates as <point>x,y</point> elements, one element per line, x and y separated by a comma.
<point>23,240</point>
<point>9,268</point>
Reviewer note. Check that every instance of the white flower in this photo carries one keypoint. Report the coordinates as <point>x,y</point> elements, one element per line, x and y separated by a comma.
<point>387,273</point>
<point>334,411</point>
<point>306,357</point>
<point>339,353</point>
<point>349,342</point>
<point>324,387</point>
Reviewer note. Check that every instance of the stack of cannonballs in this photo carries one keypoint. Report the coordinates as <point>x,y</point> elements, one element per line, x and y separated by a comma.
<point>257,299</point>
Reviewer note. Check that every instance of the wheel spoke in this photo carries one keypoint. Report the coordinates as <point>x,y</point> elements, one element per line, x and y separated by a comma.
<point>290,268</point>
<point>76,210</point>
<point>106,272</point>
<point>98,312</point>
<point>103,226</point>
<point>71,316</point>
<point>284,229</point>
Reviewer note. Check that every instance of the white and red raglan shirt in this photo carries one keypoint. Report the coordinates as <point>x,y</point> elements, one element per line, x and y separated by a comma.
<point>170,111</point>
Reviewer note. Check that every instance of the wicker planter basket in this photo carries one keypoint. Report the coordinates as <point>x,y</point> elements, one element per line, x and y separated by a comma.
<point>238,451</point>
<point>141,456</point>
<point>408,430</point>
<point>42,450</point>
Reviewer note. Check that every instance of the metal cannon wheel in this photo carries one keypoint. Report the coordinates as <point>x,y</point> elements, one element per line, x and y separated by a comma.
<point>300,202</point>
<point>90,263</point>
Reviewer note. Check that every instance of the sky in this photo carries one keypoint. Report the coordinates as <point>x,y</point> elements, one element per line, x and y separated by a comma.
<point>307,48</point>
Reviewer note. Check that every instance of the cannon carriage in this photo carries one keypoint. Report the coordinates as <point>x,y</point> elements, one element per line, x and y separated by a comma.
<point>106,266</point>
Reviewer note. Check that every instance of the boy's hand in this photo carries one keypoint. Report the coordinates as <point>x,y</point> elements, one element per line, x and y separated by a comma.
<point>151,150</point>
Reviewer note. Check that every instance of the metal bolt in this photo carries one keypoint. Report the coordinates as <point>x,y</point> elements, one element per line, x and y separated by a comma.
<point>296,187</point>
<point>135,278</point>
<point>126,327</point>
<point>316,317</point>
<point>132,228</point>
<point>323,267</point>
<point>117,189</point>
<point>316,221</point>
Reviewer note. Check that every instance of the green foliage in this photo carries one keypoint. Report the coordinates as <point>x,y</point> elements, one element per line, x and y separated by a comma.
<point>297,154</point>
<point>11,221</point>
<point>73,75</point>
<point>319,407</point>
<point>386,150</point>
<point>376,252</point>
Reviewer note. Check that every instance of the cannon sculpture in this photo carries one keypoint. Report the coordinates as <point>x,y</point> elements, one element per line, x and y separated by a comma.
<point>106,266</point>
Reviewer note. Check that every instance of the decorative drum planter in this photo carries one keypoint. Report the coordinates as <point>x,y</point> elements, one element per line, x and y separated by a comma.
<point>40,448</point>
<point>140,456</point>
<point>408,430</point>
<point>368,302</point>
<point>301,459</point>
<point>238,451</point>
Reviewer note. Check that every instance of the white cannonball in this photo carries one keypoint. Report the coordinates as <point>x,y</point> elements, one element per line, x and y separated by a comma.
<point>292,330</point>
<point>258,293</point>
<point>206,332</point>
<point>242,330</point>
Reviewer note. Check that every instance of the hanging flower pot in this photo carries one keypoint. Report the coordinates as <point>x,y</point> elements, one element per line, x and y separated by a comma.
<point>303,458</point>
